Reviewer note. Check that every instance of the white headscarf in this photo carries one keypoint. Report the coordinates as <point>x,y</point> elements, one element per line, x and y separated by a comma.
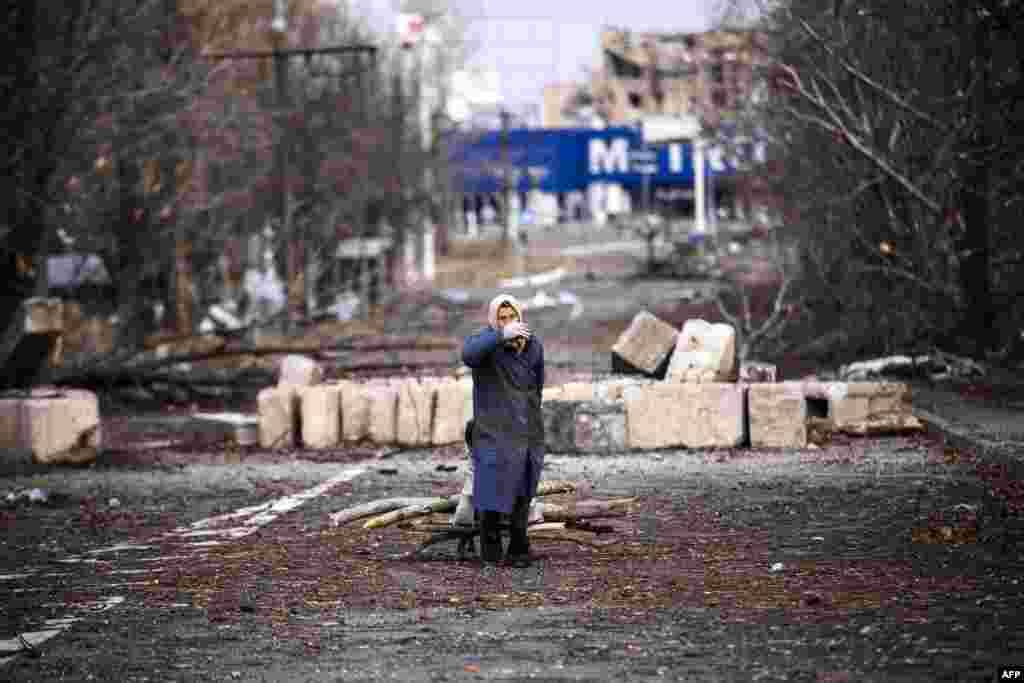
<point>496,302</point>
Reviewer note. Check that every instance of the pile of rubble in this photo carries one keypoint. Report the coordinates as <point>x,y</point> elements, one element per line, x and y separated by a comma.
<point>675,389</point>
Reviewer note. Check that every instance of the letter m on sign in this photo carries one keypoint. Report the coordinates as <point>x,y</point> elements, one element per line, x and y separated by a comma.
<point>608,158</point>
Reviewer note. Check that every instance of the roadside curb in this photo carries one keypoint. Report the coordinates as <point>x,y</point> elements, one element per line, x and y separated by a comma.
<point>961,438</point>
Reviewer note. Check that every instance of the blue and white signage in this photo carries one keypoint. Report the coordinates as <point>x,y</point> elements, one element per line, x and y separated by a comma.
<point>567,159</point>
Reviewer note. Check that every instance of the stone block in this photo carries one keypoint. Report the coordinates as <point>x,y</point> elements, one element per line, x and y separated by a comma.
<point>300,371</point>
<point>560,425</point>
<point>415,419</point>
<point>578,391</point>
<point>43,315</point>
<point>614,390</point>
<point>279,416</point>
<point>320,408</point>
<point>778,415</point>
<point>754,372</point>
<point>709,349</point>
<point>355,411</point>
<point>453,407</point>
<point>56,426</point>
<point>382,410</point>
<point>866,407</point>
<point>554,393</point>
<point>645,346</point>
<point>673,415</point>
<point>601,428</point>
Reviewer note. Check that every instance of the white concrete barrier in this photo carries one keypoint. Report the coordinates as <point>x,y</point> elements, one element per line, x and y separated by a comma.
<point>670,415</point>
<point>778,415</point>
<point>56,426</point>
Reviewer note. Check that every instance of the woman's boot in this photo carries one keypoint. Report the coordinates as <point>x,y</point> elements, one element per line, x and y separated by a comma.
<point>490,537</point>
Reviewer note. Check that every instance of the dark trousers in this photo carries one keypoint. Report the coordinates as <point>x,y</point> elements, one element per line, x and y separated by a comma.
<point>490,531</point>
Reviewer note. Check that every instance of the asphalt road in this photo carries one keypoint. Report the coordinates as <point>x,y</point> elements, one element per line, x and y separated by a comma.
<point>871,559</point>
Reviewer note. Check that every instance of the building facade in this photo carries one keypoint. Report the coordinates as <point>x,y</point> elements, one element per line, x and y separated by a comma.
<point>708,75</point>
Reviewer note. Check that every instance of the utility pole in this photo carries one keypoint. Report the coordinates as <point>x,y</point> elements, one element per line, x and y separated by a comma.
<point>506,165</point>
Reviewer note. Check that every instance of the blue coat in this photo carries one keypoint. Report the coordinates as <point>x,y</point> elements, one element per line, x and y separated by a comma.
<point>508,432</point>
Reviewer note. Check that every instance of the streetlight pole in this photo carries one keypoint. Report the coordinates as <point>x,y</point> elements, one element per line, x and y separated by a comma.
<point>506,165</point>
<point>293,263</point>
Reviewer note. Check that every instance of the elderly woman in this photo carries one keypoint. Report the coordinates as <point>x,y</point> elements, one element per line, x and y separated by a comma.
<point>508,430</point>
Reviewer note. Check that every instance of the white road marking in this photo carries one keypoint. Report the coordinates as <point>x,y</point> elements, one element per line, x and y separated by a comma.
<point>253,518</point>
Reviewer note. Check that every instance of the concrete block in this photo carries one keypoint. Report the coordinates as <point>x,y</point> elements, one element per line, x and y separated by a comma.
<point>279,416</point>
<point>382,410</point>
<point>614,389</point>
<point>778,415</point>
<point>300,371</point>
<point>415,419</point>
<point>601,428</point>
<point>55,426</point>
<point>672,415</point>
<point>453,407</point>
<point>554,393</point>
<point>578,391</point>
<point>320,407</point>
<point>43,315</point>
<point>355,411</point>
<point>645,346</point>
<point>709,348</point>
<point>866,407</point>
<point>752,372</point>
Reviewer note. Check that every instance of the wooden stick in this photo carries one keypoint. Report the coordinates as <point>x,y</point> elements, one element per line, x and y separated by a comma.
<point>411,512</point>
<point>544,488</point>
<point>588,509</point>
<point>376,507</point>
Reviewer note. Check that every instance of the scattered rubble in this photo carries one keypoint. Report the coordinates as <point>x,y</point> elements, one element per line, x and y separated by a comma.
<point>937,366</point>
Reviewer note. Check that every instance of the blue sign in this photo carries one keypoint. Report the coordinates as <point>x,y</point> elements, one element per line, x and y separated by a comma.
<point>568,159</point>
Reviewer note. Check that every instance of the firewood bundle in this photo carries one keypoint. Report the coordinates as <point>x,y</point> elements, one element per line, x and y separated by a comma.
<point>561,522</point>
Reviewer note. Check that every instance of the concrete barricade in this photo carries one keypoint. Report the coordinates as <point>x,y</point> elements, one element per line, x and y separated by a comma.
<point>55,426</point>
<point>866,407</point>
<point>704,352</point>
<point>778,415</point>
<point>382,410</point>
<point>645,346</point>
<point>671,415</point>
<point>355,411</point>
<point>415,411</point>
<point>300,371</point>
<point>279,416</point>
<point>453,407</point>
<point>320,408</point>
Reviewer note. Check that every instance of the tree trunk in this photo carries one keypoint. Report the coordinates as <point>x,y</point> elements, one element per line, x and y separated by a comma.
<point>975,268</point>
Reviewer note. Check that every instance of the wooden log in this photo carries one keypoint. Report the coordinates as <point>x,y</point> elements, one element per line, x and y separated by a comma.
<point>411,512</point>
<point>555,486</point>
<point>587,509</point>
<point>544,488</point>
<point>376,507</point>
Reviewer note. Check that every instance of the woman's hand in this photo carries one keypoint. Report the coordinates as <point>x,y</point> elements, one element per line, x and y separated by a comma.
<point>515,329</point>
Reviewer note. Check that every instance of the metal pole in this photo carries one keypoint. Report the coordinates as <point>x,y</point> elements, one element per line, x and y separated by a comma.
<point>294,299</point>
<point>507,175</point>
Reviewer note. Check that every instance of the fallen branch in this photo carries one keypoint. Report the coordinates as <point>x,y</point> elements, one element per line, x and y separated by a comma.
<point>377,507</point>
<point>544,488</point>
<point>588,509</point>
<point>411,512</point>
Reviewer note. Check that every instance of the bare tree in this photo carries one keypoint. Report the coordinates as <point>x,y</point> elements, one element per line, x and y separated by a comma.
<point>893,134</point>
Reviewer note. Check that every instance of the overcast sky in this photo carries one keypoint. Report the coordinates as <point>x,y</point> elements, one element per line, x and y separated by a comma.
<point>535,42</point>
